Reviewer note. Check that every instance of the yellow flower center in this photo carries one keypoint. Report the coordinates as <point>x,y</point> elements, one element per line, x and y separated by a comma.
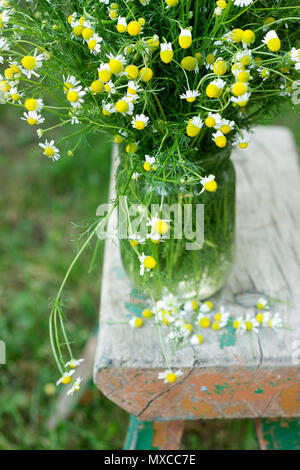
<point>212,91</point>
<point>221,141</point>
<point>134,28</point>
<point>77,30</point>
<point>185,42</point>
<point>189,63</point>
<point>147,313</point>
<point>66,380</point>
<point>32,121</point>
<point>239,88</point>
<point>87,33</point>
<point>31,104</point>
<point>204,322</point>
<point>72,96</point>
<point>172,3</point>
<point>243,77</point>
<point>15,97</point>
<point>161,227</point>
<point>122,106</point>
<point>118,139</point>
<point>200,338</point>
<point>140,125</point>
<point>236,35</point>
<point>245,60</point>
<point>260,317</point>
<point>211,186</point>
<point>146,74</point>
<point>249,325</point>
<point>236,324</point>
<point>147,166</point>
<point>134,243</point>
<point>225,129</point>
<point>215,326</point>
<point>220,67</point>
<point>115,66</point>
<point>131,148</point>
<point>97,86</point>
<point>218,316</point>
<point>210,122</point>
<point>92,44</point>
<point>50,152</point>
<point>149,262</point>
<point>104,75</point>
<point>243,145</point>
<point>194,304</point>
<point>171,378</point>
<point>248,36</point>
<point>166,56</point>
<point>29,62</point>
<point>274,44</point>
<point>191,99</point>
<point>138,322</point>
<point>192,130</point>
<point>132,71</point>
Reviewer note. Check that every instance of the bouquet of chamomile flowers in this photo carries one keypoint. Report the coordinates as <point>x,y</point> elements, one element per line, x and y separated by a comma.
<point>173,81</point>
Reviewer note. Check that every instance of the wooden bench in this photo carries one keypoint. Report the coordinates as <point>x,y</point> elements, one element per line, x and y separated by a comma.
<point>228,376</point>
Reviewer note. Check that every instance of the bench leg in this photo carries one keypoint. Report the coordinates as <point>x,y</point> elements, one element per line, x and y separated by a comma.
<point>156,435</point>
<point>278,433</point>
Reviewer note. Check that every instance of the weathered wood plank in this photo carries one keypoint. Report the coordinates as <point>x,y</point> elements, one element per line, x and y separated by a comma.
<point>227,376</point>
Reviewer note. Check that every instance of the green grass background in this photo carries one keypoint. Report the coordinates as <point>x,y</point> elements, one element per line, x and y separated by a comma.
<point>39,201</point>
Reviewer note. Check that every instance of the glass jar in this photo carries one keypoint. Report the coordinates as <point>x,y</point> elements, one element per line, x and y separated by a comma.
<point>184,267</point>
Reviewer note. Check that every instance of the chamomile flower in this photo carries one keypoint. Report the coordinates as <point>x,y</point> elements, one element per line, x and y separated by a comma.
<point>66,378</point>
<point>73,363</point>
<point>33,118</point>
<point>148,164</point>
<point>213,120</point>
<point>50,150</point>
<point>160,226</point>
<point>121,25</point>
<point>75,387</point>
<point>272,41</point>
<point>140,121</point>
<point>197,339</point>
<point>242,142</point>
<point>215,88</point>
<point>190,306</point>
<point>75,96</point>
<point>206,306</point>
<point>185,38</point>
<point>147,263</point>
<point>116,63</point>
<point>170,377</point>
<point>136,239</point>
<point>124,106</point>
<point>136,322</point>
<point>220,319</point>
<point>110,88</point>
<point>133,88</point>
<point>135,176</point>
<point>166,52</point>
<point>96,87</point>
<point>94,44</point>
<point>168,302</point>
<point>219,139</point>
<point>209,184</point>
<point>15,95</point>
<point>104,73</point>
<point>155,237</point>
<point>31,63</point>
<point>264,73</point>
<point>108,108</point>
<point>70,82</point>
<point>243,57</point>
<point>273,321</point>
<point>203,320</point>
<point>249,323</point>
<point>4,18</point>
<point>225,126</point>
<point>194,126</point>
<point>242,100</point>
<point>190,95</point>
